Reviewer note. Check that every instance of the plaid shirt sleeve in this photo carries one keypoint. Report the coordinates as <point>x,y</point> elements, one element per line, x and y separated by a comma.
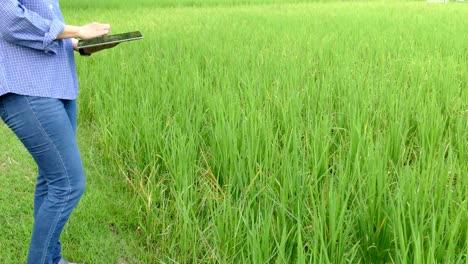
<point>26,28</point>
<point>32,61</point>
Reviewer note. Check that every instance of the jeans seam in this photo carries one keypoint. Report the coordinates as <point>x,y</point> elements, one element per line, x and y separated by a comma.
<point>49,238</point>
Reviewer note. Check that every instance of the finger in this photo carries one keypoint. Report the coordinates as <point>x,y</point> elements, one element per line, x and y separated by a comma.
<point>105,29</point>
<point>104,26</point>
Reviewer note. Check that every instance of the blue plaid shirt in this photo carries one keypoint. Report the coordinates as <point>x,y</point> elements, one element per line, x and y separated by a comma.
<point>32,61</point>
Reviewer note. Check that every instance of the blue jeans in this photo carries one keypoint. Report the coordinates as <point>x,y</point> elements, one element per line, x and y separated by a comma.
<point>47,129</point>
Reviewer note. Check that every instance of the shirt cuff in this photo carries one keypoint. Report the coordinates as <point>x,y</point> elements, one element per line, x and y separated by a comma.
<point>50,42</point>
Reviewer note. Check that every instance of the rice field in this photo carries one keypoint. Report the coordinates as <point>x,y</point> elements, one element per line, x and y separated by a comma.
<point>285,132</point>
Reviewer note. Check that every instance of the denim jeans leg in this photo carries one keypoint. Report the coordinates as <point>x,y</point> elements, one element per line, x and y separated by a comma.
<point>46,127</point>
<point>41,185</point>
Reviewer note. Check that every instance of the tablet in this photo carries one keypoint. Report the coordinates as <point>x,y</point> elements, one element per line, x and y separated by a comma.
<point>107,40</point>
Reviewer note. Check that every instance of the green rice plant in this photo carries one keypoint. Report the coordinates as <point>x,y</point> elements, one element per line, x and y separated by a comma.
<point>316,132</point>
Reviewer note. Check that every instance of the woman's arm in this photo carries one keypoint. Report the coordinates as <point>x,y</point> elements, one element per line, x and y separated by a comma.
<point>92,30</point>
<point>88,31</point>
<point>23,27</point>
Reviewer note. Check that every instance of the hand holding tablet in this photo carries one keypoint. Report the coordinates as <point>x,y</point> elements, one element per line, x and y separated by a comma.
<point>90,46</point>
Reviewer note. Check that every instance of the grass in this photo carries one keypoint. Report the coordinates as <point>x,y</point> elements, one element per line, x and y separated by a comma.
<point>102,229</point>
<point>329,132</point>
<point>322,133</point>
<point>89,4</point>
<point>17,179</point>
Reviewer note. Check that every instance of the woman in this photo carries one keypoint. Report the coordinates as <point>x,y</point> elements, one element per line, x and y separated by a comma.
<point>38,89</point>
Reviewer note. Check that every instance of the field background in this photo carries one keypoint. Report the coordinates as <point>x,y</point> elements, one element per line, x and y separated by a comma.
<point>270,131</point>
<point>289,132</point>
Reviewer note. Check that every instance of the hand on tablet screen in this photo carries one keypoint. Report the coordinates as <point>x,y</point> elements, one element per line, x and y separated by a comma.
<point>93,30</point>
